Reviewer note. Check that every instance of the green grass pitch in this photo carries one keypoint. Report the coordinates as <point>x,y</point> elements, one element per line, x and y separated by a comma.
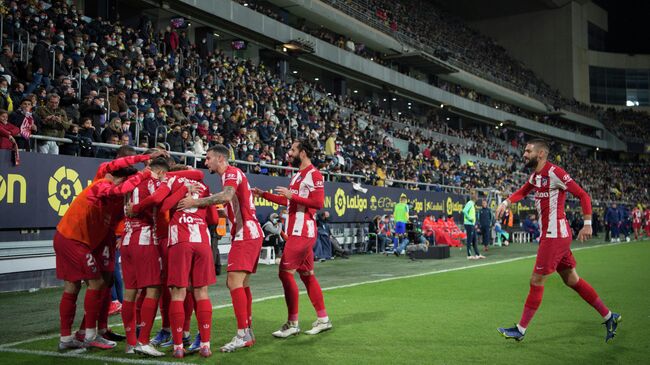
<point>387,310</point>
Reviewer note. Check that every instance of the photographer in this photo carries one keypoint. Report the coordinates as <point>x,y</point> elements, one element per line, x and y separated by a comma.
<point>378,228</point>
<point>273,235</point>
<point>414,240</point>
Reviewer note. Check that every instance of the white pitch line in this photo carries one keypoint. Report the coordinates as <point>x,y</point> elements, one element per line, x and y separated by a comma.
<point>221,306</point>
<point>85,356</point>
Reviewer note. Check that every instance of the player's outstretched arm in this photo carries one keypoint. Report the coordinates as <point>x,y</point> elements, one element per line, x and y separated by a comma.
<point>277,199</point>
<point>223,197</point>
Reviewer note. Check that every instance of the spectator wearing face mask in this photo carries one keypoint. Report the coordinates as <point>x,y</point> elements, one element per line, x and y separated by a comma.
<point>274,235</point>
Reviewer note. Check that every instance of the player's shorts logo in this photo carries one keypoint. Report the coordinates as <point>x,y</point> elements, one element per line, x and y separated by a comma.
<point>62,188</point>
<point>339,202</point>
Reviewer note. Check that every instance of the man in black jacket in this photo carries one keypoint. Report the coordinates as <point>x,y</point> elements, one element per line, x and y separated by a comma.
<point>41,64</point>
<point>486,221</point>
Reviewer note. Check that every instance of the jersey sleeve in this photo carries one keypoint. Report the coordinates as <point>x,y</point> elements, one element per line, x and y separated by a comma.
<point>577,191</point>
<point>231,178</point>
<point>316,198</point>
<point>521,193</point>
<point>119,163</point>
<point>156,198</point>
<point>274,198</point>
<point>179,191</point>
<point>108,189</point>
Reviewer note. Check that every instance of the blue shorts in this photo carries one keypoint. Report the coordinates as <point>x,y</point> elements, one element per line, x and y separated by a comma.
<point>400,227</point>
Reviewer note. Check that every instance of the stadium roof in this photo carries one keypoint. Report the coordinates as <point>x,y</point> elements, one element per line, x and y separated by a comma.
<point>480,9</point>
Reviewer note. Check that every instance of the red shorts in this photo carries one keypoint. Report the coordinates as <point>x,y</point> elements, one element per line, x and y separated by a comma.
<point>105,254</point>
<point>74,260</point>
<point>244,255</point>
<point>190,262</point>
<point>141,266</point>
<point>298,254</point>
<point>636,226</point>
<point>554,254</point>
<point>162,249</point>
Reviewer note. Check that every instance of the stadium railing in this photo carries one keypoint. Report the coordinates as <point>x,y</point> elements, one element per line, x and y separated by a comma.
<point>328,174</point>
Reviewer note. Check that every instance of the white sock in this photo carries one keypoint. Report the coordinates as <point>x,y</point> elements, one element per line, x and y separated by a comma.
<point>205,344</point>
<point>521,329</point>
<point>186,333</point>
<point>293,323</point>
<point>66,338</point>
<point>168,329</point>
<point>324,319</point>
<point>241,332</point>
<point>91,333</point>
<point>178,347</point>
<point>608,316</point>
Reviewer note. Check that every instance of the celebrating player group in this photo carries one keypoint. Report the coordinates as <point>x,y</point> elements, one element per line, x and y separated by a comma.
<point>159,219</point>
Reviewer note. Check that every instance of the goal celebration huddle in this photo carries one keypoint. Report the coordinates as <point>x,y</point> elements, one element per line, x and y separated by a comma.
<point>166,254</point>
<point>159,219</point>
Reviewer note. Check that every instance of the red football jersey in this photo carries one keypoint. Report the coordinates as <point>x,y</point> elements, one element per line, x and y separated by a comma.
<point>189,225</point>
<point>550,185</point>
<point>140,229</point>
<point>241,209</point>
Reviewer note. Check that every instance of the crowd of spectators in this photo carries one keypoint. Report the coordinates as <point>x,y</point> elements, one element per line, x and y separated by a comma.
<point>157,89</point>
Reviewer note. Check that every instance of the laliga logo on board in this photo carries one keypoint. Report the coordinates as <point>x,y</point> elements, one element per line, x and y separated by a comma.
<point>62,188</point>
<point>339,202</point>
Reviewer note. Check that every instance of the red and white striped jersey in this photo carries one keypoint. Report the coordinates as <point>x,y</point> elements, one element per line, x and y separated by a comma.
<point>551,185</point>
<point>308,196</point>
<point>140,229</point>
<point>241,209</point>
<point>636,216</point>
<point>308,185</point>
<point>189,225</point>
<point>646,214</point>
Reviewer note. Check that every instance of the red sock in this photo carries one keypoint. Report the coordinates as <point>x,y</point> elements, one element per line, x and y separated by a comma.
<point>176,317</point>
<point>532,303</point>
<point>249,305</point>
<point>138,307</point>
<point>590,296</point>
<point>290,293</point>
<point>240,304</point>
<point>315,294</point>
<point>91,307</point>
<point>102,321</point>
<point>204,317</point>
<point>128,318</point>
<point>149,307</point>
<point>190,307</point>
<point>165,298</point>
<point>67,310</point>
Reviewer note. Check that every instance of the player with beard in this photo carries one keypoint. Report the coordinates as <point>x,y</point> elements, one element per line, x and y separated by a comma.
<point>551,183</point>
<point>303,198</point>
<point>246,234</point>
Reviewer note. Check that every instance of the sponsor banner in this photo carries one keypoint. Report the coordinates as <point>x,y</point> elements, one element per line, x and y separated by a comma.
<point>38,192</point>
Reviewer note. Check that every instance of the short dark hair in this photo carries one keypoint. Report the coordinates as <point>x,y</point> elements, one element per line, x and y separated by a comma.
<point>540,143</point>
<point>306,145</point>
<point>125,151</point>
<point>160,163</point>
<point>220,150</point>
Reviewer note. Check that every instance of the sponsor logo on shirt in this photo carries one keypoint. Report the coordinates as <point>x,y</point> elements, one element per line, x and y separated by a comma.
<point>541,194</point>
